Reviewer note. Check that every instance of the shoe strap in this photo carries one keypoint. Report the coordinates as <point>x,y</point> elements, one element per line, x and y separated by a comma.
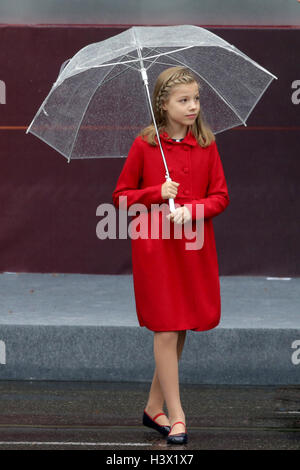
<point>156,416</point>
<point>177,423</point>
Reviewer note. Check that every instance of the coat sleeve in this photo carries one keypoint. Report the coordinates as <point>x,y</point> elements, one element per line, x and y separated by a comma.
<point>129,181</point>
<point>217,198</point>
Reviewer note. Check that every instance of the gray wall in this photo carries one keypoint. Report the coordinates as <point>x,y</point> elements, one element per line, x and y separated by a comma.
<point>200,12</point>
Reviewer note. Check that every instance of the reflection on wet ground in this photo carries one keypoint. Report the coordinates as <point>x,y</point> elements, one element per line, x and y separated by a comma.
<point>97,415</point>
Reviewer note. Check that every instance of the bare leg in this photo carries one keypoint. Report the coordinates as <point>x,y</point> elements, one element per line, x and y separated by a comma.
<point>180,343</point>
<point>166,353</point>
<point>155,402</point>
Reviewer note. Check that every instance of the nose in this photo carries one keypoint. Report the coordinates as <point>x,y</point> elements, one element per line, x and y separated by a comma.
<point>194,104</point>
<point>193,107</point>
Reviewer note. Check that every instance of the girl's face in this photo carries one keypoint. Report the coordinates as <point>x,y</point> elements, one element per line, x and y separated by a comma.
<point>183,105</point>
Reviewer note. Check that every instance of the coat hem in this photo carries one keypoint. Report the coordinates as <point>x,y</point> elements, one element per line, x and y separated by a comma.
<point>195,329</point>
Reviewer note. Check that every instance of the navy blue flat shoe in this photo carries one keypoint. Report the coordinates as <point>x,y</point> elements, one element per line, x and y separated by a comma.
<point>150,423</point>
<point>180,438</point>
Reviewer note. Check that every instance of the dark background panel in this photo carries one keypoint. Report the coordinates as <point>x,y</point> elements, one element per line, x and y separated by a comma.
<point>48,206</point>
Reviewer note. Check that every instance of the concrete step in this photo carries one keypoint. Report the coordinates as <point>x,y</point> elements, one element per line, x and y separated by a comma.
<point>84,327</point>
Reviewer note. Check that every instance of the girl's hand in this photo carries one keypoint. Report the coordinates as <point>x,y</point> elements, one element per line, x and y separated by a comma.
<point>180,216</point>
<point>169,189</point>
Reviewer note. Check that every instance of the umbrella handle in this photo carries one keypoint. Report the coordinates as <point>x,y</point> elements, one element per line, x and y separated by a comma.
<point>172,205</point>
<point>171,200</point>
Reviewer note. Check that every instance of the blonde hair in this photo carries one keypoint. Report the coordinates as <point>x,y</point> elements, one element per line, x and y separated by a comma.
<point>165,82</point>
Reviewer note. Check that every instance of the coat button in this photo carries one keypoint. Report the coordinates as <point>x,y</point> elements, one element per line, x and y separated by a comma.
<point>185,169</point>
<point>185,148</point>
<point>186,191</point>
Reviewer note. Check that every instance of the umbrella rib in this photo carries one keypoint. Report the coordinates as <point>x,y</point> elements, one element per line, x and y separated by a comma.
<point>48,143</point>
<point>133,60</point>
<point>117,75</point>
<point>82,69</point>
<point>122,71</point>
<point>155,61</point>
<point>260,95</point>
<point>144,56</point>
<point>127,63</point>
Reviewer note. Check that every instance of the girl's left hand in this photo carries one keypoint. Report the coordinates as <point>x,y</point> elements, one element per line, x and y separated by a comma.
<point>180,216</point>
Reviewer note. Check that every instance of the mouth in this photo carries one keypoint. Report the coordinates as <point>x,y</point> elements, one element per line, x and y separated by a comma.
<point>191,116</point>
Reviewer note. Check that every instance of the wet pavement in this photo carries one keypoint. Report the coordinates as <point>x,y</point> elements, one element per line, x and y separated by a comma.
<point>107,416</point>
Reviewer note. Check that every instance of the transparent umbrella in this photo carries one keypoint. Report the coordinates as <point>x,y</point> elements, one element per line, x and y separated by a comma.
<point>102,95</point>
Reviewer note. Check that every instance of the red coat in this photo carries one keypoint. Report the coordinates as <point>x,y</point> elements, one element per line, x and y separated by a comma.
<point>175,288</point>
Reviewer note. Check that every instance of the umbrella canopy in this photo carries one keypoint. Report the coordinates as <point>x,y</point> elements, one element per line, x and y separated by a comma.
<point>98,103</point>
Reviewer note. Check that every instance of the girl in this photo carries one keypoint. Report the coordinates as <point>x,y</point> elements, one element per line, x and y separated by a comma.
<point>175,289</point>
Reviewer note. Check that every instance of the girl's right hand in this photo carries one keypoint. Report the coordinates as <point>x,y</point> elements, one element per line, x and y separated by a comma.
<point>169,189</point>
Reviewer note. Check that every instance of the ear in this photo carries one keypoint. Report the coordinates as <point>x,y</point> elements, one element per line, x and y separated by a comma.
<point>164,106</point>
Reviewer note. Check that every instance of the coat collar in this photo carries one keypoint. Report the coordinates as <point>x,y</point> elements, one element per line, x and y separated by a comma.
<point>189,139</point>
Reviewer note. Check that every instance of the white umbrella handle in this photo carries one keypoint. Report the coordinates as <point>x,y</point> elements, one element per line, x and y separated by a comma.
<point>171,200</point>
<point>172,205</point>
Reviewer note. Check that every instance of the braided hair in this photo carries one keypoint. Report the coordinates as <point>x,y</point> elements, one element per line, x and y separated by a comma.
<point>165,82</point>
